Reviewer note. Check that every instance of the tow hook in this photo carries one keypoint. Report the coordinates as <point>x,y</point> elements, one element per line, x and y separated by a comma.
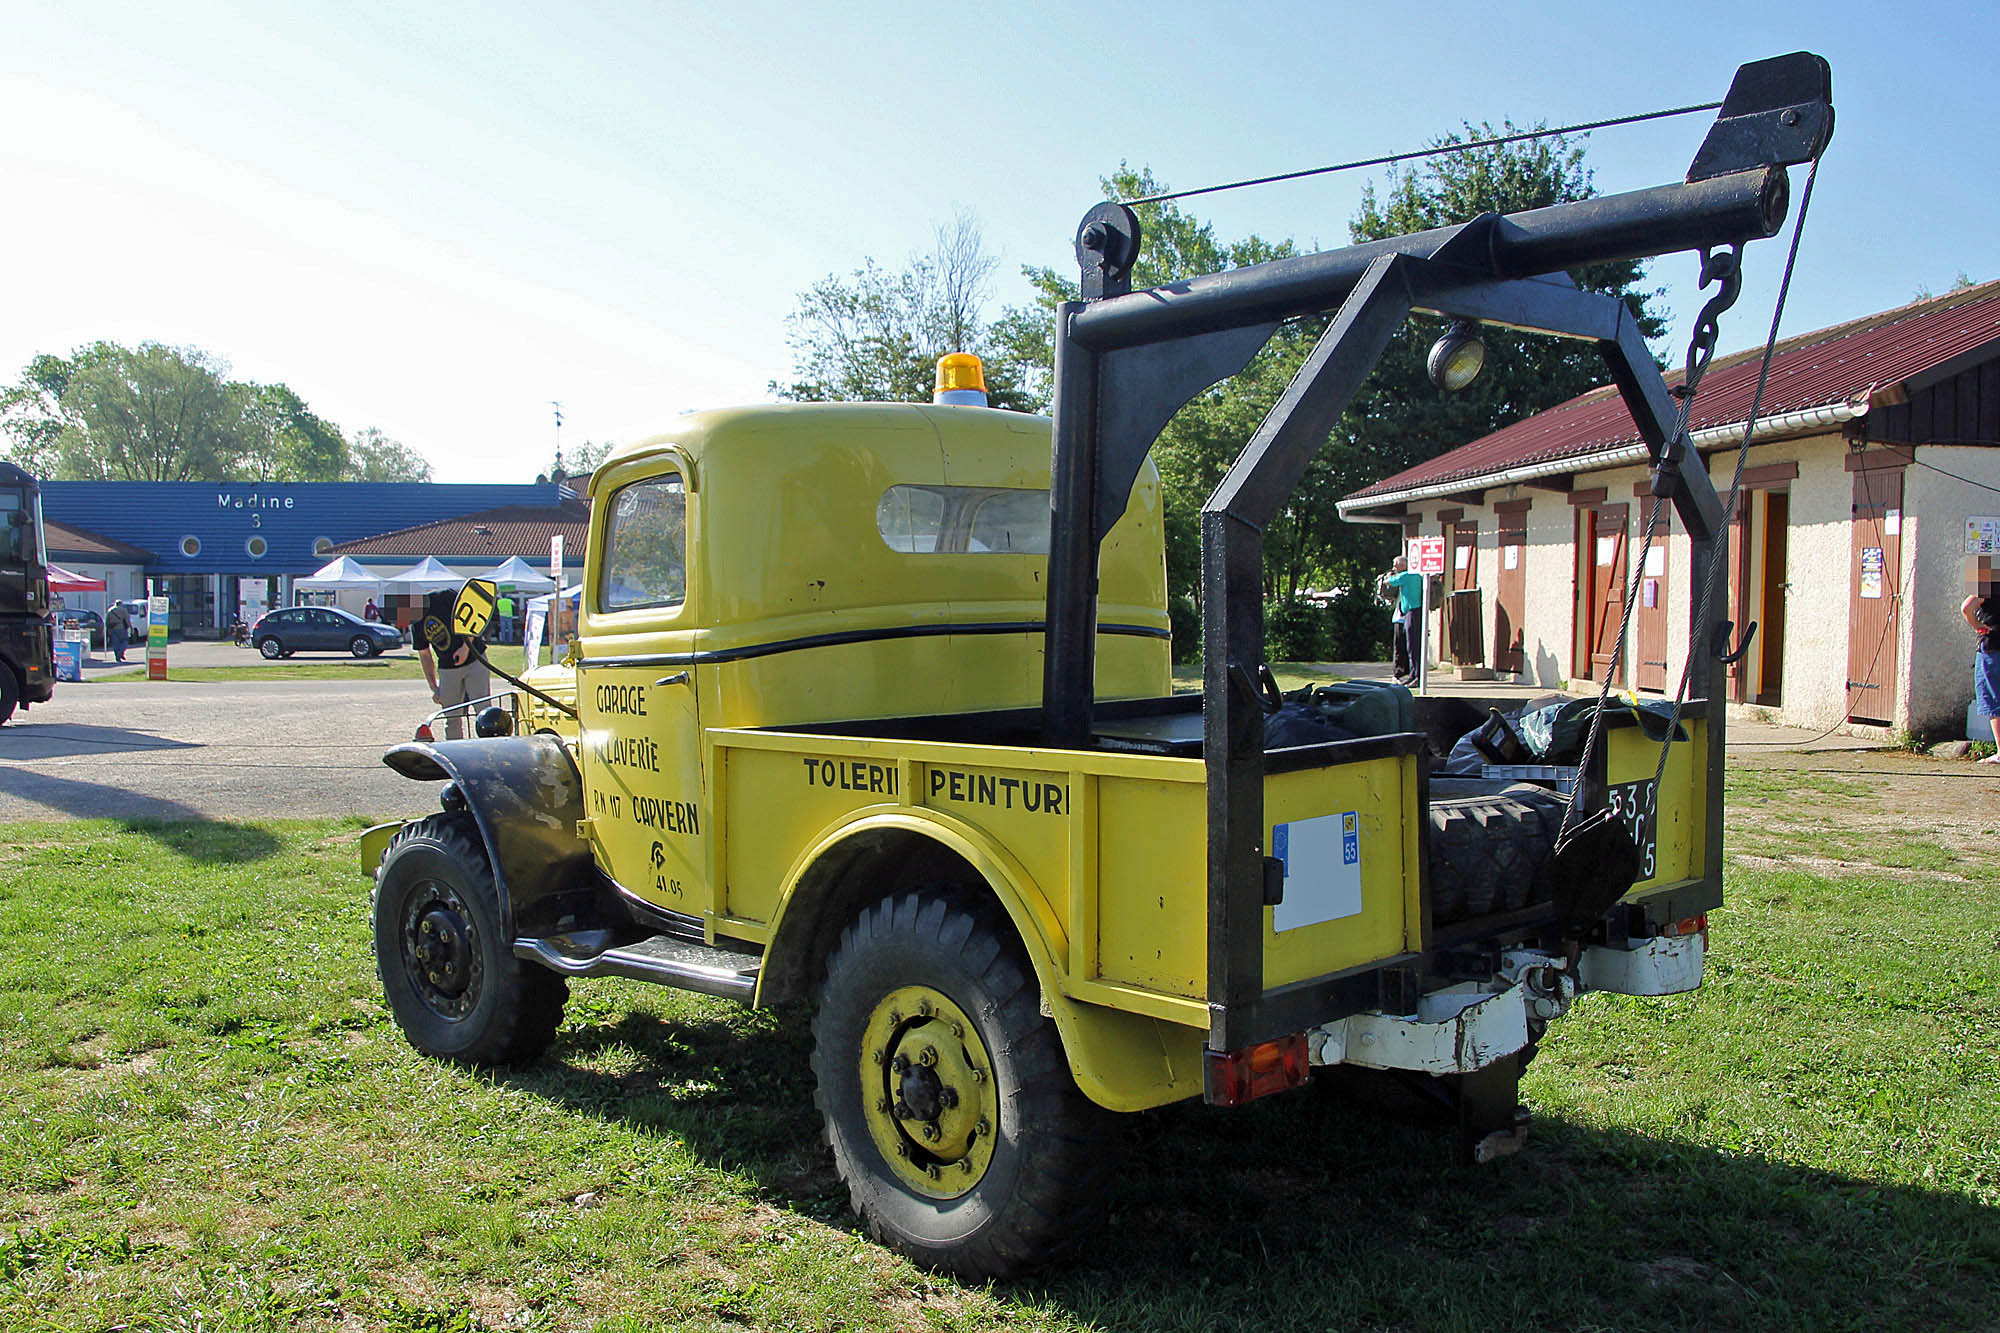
<point>1549,985</point>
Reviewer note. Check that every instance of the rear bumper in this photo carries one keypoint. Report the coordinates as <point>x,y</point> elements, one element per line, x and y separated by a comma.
<point>1465,1028</point>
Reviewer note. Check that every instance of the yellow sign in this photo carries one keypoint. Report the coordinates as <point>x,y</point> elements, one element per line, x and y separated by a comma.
<point>474,611</point>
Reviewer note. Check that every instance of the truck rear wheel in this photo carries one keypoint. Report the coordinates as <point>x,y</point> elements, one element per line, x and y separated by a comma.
<point>947,1099</point>
<point>451,978</point>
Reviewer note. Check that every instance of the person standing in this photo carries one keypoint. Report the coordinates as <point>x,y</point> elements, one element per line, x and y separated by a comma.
<point>1403,589</point>
<point>1982,611</point>
<point>457,672</point>
<point>117,629</point>
<point>371,611</point>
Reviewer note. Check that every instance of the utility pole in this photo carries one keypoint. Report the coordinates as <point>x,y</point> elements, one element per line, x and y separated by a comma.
<point>557,475</point>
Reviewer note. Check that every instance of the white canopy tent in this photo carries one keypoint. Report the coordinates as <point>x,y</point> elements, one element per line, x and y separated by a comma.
<point>428,576</point>
<point>519,573</point>
<point>346,572</point>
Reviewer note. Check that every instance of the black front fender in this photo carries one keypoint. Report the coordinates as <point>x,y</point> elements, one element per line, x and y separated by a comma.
<point>526,796</point>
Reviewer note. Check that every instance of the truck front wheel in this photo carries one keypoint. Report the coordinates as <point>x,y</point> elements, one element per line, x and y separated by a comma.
<point>947,1099</point>
<point>451,979</point>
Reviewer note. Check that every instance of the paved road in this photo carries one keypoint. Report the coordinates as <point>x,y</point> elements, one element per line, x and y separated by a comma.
<point>238,750</point>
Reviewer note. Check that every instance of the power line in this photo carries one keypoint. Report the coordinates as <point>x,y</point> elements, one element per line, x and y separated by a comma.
<point>1438,151</point>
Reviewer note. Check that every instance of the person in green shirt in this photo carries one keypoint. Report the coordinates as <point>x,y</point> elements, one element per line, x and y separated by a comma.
<point>1403,590</point>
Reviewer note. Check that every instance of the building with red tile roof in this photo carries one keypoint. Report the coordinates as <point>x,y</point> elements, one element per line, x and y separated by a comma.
<point>1875,454</point>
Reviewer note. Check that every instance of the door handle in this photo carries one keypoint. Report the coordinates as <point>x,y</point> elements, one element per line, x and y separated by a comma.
<point>678,678</point>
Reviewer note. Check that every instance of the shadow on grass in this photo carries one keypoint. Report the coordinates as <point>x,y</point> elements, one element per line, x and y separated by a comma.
<point>1304,1211</point>
<point>177,828</point>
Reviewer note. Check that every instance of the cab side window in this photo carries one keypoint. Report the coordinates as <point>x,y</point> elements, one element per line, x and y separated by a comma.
<point>645,546</point>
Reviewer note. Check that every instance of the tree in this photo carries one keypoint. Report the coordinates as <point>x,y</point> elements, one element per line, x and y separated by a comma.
<point>1398,418</point>
<point>151,413</point>
<point>285,440</point>
<point>875,336</point>
<point>373,456</point>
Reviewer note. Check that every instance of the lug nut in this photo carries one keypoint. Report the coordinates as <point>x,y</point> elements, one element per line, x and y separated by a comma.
<point>901,1064</point>
<point>879,1057</point>
<point>958,1031</point>
<point>882,1105</point>
<point>930,1133</point>
<point>984,1126</point>
<point>923,1008</point>
<point>947,1097</point>
<point>903,1111</point>
<point>935,1173</point>
<point>927,1056</point>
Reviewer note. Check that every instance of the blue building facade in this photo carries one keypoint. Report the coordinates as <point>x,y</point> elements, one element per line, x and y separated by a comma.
<point>213,542</point>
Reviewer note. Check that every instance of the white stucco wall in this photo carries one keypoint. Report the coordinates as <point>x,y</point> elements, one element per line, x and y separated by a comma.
<point>1938,644</point>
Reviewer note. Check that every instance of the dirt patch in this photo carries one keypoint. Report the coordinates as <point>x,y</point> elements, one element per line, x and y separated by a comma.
<point>1955,800</point>
<point>1825,865</point>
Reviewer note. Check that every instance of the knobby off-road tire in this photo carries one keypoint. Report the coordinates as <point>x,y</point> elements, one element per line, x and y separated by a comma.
<point>451,978</point>
<point>1490,853</point>
<point>947,1100</point>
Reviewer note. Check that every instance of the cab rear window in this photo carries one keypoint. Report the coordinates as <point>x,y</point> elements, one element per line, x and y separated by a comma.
<point>964,520</point>
<point>645,546</point>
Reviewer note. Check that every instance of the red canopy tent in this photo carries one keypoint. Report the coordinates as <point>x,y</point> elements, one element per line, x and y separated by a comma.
<point>61,580</point>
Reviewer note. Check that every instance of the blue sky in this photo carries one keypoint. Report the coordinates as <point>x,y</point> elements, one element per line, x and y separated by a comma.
<point>436,218</point>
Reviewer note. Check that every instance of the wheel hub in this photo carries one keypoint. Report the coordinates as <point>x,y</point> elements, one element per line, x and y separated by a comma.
<point>934,1113</point>
<point>441,953</point>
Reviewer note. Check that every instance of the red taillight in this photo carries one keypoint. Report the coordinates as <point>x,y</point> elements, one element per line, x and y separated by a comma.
<point>1239,1076</point>
<point>424,732</point>
<point>1691,925</point>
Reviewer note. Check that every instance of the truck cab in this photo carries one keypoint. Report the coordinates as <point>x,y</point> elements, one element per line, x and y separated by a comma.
<point>27,646</point>
<point>788,566</point>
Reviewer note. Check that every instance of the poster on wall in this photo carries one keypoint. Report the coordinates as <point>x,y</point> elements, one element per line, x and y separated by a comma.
<point>1982,536</point>
<point>1871,571</point>
<point>1510,558</point>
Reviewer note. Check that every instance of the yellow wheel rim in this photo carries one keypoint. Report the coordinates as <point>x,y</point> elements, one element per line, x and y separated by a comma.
<point>927,1092</point>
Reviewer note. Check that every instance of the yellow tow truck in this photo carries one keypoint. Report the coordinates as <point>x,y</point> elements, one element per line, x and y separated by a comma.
<point>870,709</point>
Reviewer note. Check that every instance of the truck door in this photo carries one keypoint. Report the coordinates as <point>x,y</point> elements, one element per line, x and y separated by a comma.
<point>639,721</point>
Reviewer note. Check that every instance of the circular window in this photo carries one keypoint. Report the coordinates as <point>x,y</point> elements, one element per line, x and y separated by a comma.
<point>190,546</point>
<point>256,546</point>
<point>322,546</point>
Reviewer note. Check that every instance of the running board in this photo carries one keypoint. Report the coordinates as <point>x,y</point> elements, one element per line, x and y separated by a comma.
<point>661,958</point>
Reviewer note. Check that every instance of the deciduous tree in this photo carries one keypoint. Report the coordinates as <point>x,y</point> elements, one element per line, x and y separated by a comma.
<point>876,335</point>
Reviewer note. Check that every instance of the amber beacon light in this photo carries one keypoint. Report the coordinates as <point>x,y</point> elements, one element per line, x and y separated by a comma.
<point>961,381</point>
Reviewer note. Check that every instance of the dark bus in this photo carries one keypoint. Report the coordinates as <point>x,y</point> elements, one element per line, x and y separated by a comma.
<point>27,644</point>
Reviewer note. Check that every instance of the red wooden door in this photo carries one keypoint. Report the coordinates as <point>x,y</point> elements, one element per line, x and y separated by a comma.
<point>1460,637</point>
<point>1601,576</point>
<point>1511,590</point>
<point>1649,666</point>
<point>1874,620</point>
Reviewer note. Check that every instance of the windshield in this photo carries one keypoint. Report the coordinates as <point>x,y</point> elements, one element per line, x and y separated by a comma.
<point>20,525</point>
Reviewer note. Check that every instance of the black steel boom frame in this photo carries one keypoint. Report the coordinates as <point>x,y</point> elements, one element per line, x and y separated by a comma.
<point>1127,361</point>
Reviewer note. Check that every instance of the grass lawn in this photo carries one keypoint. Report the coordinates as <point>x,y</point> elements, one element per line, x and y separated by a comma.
<point>212,1124</point>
